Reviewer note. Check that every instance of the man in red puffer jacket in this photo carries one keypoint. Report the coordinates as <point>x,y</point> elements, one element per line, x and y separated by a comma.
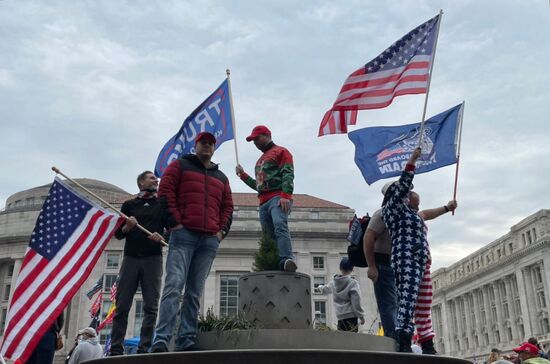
<point>196,198</point>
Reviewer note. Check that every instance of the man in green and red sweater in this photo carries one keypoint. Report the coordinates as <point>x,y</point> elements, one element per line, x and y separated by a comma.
<point>275,184</point>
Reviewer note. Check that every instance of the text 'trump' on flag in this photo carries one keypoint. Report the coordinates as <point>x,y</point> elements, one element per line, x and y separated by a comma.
<point>212,115</point>
<point>68,239</point>
<point>382,152</point>
<point>403,68</point>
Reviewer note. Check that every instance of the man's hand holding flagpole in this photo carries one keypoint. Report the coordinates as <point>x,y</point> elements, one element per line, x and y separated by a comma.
<point>57,171</point>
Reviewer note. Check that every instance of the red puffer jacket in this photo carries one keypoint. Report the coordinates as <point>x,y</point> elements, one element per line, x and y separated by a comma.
<point>199,198</point>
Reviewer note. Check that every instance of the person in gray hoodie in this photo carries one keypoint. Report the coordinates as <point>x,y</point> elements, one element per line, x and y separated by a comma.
<point>346,296</point>
<point>88,347</point>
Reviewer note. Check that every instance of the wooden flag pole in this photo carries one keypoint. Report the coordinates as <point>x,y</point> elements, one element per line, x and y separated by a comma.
<point>228,73</point>
<point>429,81</point>
<point>459,142</point>
<point>57,171</point>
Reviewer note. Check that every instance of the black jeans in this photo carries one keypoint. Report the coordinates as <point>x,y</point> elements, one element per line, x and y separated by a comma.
<point>348,324</point>
<point>147,272</point>
<point>45,350</point>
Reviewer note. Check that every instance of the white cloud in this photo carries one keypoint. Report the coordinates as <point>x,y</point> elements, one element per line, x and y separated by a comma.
<point>97,88</point>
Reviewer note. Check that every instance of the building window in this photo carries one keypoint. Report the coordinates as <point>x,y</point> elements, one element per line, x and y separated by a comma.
<point>320,312</point>
<point>510,248</point>
<point>523,239</point>
<point>109,280</point>
<point>29,201</point>
<point>106,331</point>
<point>528,234</point>
<point>545,325</point>
<point>538,276</point>
<point>138,318</point>
<point>17,203</point>
<point>9,274</point>
<point>3,319</point>
<point>7,289</point>
<point>517,305</point>
<point>521,331</point>
<point>534,234</point>
<point>318,262</point>
<point>229,293</point>
<point>314,215</point>
<point>113,260</point>
<point>318,281</point>
<point>509,333</point>
<point>541,300</point>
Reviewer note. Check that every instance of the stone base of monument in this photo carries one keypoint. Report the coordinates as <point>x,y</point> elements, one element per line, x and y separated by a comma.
<point>292,339</point>
<point>276,300</point>
<point>280,356</point>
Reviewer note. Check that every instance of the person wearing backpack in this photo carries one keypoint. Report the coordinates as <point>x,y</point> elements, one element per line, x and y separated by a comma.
<point>377,249</point>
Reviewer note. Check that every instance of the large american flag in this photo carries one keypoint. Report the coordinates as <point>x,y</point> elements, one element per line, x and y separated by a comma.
<point>401,69</point>
<point>68,239</point>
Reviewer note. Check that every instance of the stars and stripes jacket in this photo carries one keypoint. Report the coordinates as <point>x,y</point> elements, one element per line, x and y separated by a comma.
<point>405,226</point>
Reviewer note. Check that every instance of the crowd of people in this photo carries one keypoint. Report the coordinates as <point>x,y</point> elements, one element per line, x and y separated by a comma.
<point>193,207</point>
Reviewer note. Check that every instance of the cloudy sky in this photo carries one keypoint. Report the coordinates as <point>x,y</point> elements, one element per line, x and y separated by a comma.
<point>97,87</point>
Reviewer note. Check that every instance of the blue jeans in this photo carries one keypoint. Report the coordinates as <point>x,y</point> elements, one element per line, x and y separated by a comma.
<point>190,257</point>
<point>386,298</point>
<point>275,225</point>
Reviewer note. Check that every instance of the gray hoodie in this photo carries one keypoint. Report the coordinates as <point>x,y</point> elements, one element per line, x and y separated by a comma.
<point>86,350</point>
<point>346,296</point>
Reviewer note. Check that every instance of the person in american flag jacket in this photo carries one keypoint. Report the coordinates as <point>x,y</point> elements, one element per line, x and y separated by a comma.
<point>275,184</point>
<point>410,256</point>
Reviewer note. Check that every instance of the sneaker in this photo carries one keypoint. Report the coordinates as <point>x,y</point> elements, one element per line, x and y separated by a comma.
<point>159,347</point>
<point>290,266</point>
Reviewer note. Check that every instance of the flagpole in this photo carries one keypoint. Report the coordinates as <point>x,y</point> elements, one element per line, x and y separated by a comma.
<point>459,142</point>
<point>228,73</point>
<point>429,80</point>
<point>57,171</point>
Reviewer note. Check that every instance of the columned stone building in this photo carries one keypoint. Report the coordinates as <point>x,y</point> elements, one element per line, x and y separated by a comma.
<point>318,228</point>
<point>497,296</point>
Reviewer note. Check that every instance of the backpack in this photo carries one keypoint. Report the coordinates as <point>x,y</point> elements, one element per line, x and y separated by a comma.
<point>357,228</point>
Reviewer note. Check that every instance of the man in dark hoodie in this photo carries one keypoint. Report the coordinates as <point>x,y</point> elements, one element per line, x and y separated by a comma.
<point>347,298</point>
<point>142,263</point>
<point>197,200</point>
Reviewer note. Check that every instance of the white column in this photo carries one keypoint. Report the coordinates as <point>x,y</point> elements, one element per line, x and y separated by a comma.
<point>511,308</point>
<point>498,305</point>
<point>478,322</point>
<point>522,277</point>
<point>488,314</point>
<point>445,324</point>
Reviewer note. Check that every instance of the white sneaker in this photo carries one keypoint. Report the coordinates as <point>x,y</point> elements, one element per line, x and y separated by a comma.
<point>290,266</point>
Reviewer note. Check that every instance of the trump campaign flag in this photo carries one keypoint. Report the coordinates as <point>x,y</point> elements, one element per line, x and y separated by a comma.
<point>213,115</point>
<point>403,68</point>
<point>68,239</point>
<point>382,152</point>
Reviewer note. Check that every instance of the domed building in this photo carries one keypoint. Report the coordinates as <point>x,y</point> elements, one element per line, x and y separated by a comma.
<point>318,228</point>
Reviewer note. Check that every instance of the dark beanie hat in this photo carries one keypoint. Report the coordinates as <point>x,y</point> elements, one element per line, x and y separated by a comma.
<point>346,265</point>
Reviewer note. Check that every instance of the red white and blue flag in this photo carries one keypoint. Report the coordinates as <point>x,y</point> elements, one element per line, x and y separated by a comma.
<point>66,243</point>
<point>401,69</point>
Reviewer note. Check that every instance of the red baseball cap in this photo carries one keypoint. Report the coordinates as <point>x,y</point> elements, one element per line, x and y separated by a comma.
<point>530,348</point>
<point>204,135</point>
<point>258,130</point>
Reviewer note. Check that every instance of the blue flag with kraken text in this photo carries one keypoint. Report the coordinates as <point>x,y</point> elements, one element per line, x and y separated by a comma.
<point>382,152</point>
